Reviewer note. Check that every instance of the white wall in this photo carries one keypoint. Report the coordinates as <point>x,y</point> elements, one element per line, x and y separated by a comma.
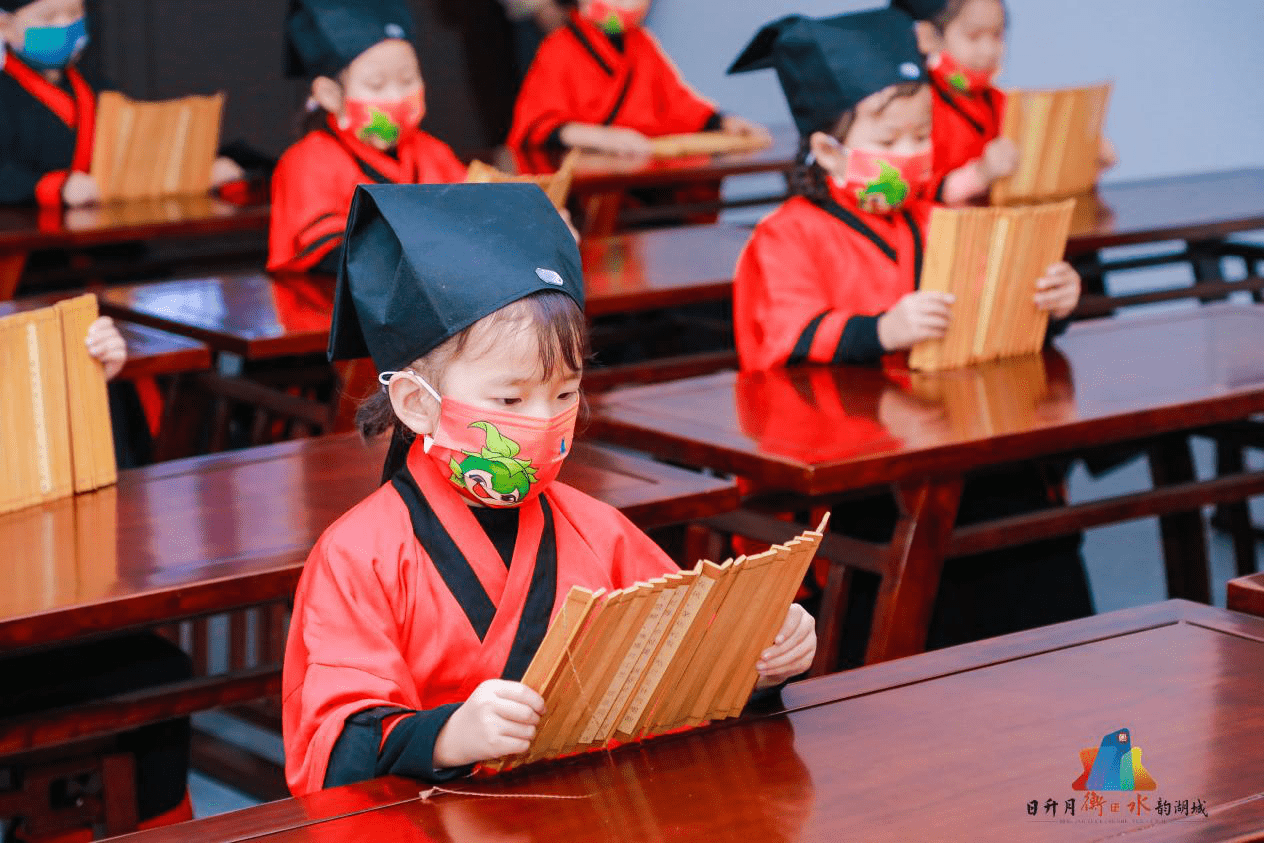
<point>1188,74</point>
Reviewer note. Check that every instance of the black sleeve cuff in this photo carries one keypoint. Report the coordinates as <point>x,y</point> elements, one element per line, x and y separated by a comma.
<point>714,123</point>
<point>859,342</point>
<point>409,750</point>
<point>1057,327</point>
<point>554,140</point>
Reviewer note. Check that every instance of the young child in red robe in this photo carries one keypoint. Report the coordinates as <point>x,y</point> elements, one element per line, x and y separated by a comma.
<point>420,609</point>
<point>370,100</point>
<point>602,82</point>
<point>832,275</point>
<point>964,42</point>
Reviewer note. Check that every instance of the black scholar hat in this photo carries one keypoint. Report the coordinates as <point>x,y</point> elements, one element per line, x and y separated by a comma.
<point>324,36</point>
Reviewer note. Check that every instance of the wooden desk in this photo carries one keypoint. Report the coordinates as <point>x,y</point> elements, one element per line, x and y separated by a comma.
<point>874,754</point>
<point>26,230</point>
<point>149,351</point>
<point>229,531</point>
<point>820,431</point>
<point>1246,594</point>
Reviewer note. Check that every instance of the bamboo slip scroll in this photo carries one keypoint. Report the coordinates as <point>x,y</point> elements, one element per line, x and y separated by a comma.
<point>670,653</point>
<point>55,434</point>
<point>143,150</point>
<point>990,259</point>
<point>1058,135</point>
<point>557,186</point>
<point>705,143</point>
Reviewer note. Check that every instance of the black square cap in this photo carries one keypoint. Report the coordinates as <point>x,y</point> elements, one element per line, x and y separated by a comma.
<point>827,65</point>
<point>324,36</point>
<point>920,9</point>
<point>422,263</point>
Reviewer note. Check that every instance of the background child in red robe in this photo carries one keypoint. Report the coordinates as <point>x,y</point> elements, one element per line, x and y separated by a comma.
<point>369,100</point>
<point>964,43</point>
<point>420,609</point>
<point>831,277</point>
<point>602,82</point>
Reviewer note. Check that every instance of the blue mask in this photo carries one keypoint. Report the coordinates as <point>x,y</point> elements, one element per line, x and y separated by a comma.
<point>53,47</point>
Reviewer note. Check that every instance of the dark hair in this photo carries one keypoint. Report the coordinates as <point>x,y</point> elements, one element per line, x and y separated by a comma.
<point>561,335</point>
<point>953,8</point>
<point>810,180</point>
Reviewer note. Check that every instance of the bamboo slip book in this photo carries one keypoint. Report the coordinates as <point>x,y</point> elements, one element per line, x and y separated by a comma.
<point>990,259</point>
<point>661,655</point>
<point>557,186</point>
<point>1058,135</point>
<point>705,143</point>
<point>143,150</point>
<point>55,434</point>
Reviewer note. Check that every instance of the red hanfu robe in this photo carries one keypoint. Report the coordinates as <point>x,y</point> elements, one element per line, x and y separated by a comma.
<point>45,133</point>
<point>814,278</point>
<point>405,606</point>
<point>962,124</point>
<point>316,178</point>
<point>579,76</point>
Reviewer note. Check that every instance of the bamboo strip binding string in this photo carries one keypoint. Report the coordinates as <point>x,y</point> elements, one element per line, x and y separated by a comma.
<point>557,186</point>
<point>144,150</point>
<point>659,655</point>
<point>990,259</point>
<point>55,433</point>
<point>1058,134</point>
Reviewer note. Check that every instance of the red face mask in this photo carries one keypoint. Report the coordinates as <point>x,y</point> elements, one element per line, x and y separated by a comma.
<point>389,121</point>
<point>957,76</point>
<point>496,459</point>
<point>614,19</point>
<point>883,181</point>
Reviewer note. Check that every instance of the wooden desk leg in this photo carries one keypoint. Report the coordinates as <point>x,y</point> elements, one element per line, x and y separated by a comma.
<point>1184,536</point>
<point>1235,517</point>
<point>11,266</point>
<point>601,213</point>
<point>901,618</point>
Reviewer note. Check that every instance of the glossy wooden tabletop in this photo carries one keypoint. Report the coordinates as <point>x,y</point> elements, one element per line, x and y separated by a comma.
<point>150,351</point>
<point>953,745</point>
<point>1197,206</point>
<point>226,530</point>
<point>29,229</point>
<point>260,316</point>
<point>817,429</point>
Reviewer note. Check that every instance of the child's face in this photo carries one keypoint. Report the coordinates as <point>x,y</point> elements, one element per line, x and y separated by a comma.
<point>386,72</point>
<point>976,37</point>
<point>499,369</point>
<point>886,122</point>
<point>39,13</point>
<point>638,6</point>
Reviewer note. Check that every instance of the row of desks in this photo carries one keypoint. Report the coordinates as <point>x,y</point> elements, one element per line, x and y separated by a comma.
<point>874,754</point>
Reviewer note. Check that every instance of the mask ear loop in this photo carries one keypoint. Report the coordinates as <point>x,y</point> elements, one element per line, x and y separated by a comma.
<point>384,378</point>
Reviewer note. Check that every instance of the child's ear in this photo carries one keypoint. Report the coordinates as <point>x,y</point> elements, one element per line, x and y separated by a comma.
<point>328,94</point>
<point>413,406</point>
<point>930,40</point>
<point>828,152</point>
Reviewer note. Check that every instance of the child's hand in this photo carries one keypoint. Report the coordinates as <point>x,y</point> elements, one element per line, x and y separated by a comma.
<point>1000,159</point>
<point>1106,155</point>
<point>80,189</point>
<point>916,317</point>
<point>731,124</point>
<point>498,719</point>
<point>613,139</point>
<point>106,345</point>
<point>1058,290</point>
<point>565,214</point>
<point>225,170</point>
<point>791,652</point>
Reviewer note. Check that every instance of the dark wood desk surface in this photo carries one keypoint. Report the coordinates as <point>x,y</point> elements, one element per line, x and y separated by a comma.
<point>1197,206</point>
<point>231,530</point>
<point>875,754</point>
<point>260,316</point>
<point>819,430</point>
<point>1246,594</point>
<point>150,351</point>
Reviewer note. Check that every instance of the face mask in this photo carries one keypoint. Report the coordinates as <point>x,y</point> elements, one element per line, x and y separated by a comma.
<point>614,19</point>
<point>883,181</point>
<point>389,121</point>
<point>959,77</point>
<point>496,458</point>
<point>53,47</point>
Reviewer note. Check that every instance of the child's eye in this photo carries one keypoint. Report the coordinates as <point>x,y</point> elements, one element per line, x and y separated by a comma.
<point>567,396</point>
<point>509,402</point>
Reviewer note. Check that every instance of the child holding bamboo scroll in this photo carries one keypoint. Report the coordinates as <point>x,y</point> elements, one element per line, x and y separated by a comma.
<point>420,608</point>
<point>832,277</point>
<point>964,42</point>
